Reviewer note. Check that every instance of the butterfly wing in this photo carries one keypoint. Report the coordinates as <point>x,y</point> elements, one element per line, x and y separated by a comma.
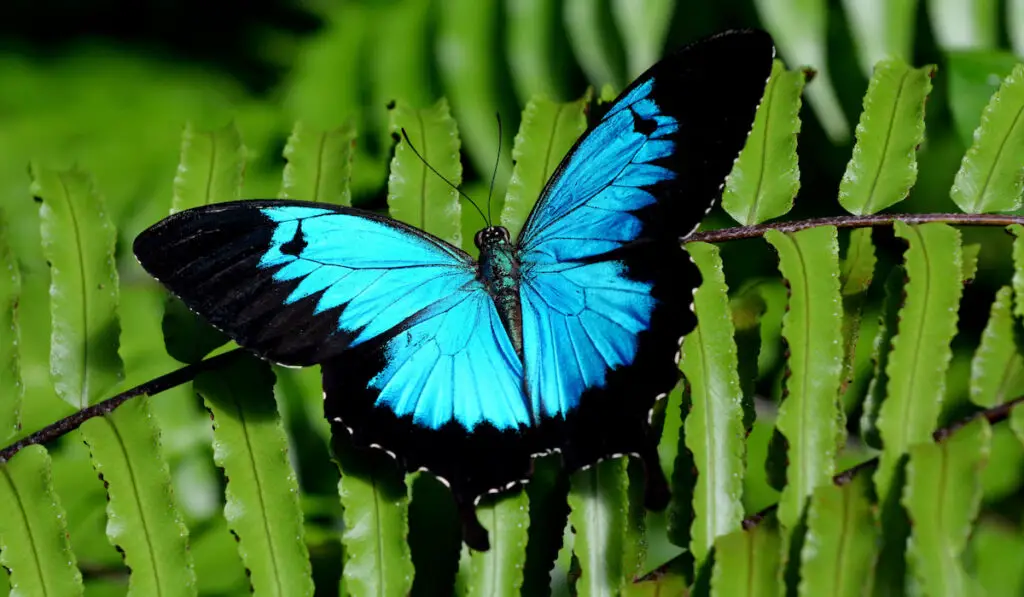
<point>605,284</point>
<point>414,356</point>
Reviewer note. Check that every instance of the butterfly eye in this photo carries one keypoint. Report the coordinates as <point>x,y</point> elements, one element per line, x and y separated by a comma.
<point>478,240</point>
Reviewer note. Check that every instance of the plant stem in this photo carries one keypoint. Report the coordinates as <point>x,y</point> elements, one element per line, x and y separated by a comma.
<point>154,386</point>
<point>741,232</point>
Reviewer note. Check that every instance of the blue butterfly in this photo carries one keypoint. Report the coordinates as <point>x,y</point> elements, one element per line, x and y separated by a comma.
<point>559,341</point>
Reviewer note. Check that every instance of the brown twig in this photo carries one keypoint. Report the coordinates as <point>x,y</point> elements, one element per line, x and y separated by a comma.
<point>741,232</point>
<point>154,386</point>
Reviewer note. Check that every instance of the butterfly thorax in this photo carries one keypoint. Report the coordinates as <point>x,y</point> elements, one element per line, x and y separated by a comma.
<point>499,271</point>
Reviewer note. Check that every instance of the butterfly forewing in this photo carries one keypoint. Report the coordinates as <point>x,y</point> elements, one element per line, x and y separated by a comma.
<point>606,287</point>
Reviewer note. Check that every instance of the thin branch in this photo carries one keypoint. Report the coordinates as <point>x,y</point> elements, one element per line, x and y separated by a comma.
<point>154,386</point>
<point>740,232</point>
<point>993,415</point>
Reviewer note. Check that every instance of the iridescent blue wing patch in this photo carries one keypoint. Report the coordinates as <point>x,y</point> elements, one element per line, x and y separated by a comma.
<point>411,345</point>
<point>606,287</point>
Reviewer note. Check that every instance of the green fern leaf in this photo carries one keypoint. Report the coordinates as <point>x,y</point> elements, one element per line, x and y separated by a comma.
<point>747,311</point>
<point>888,323</point>
<point>664,584</point>
<point>808,418</point>
<point>262,506</point>
<point>599,512</point>
<point>547,132</point>
<point>856,271</point>
<point>883,167</point>
<point>667,532</point>
<point>970,261</point>
<point>644,26</point>
<point>675,460</point>
<point>920,349</point>
<point>942,497</point>
<point>1018,269</point>
<point>748,562</point>
<point>1017,422</point>
<point>997,551</point>
<point>499,571</point>
<point>143,521</point>
<point>377,557</point>
<point>78,242</point>
<point>997,370</point>
<point>319,165</point>
<point>714,426</point>
<point>762,302</point>
<point>34,544</point>
<point>416,195</point>
<point>858,266</point>
<point>882,29</point>
<point>11,388</point>
<point>211,167</point>
<point>766,177</point>
<point>840,547</point>
<point>990,178</point>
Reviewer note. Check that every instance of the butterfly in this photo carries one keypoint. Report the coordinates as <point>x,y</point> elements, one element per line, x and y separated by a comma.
<point>561,340</point>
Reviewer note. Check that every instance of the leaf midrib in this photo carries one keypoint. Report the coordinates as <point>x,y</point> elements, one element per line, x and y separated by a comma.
<point>711,473</point>
<point>769,100</point>
<point>259,491</point>
<point>805,401</point>
<point>888,137</point>
<point>909,402</point>
<point>28,527</point>
<point>139,503</point>
<point>999,156</point>
<point>83,396</point>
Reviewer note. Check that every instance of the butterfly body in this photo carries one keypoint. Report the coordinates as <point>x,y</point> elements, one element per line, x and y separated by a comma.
<point>499,271</point>
<point>561,340</point>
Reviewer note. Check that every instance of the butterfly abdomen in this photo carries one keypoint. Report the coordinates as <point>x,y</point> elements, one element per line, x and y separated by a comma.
<point>499,271</point>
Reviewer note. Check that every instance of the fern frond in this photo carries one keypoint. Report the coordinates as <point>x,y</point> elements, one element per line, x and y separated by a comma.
<point>262,499</point>
<point>839,550</point>
<point>808,417</point>
<point>942,497</point>
<point>319,164</point>
<point>883,167</point>
<point>78,241</point>
<point>766,176</point>
<point>714,426</point>
<point>916,369</point>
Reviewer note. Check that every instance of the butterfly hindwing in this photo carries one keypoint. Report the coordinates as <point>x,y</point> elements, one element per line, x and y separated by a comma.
<point>605,284</point>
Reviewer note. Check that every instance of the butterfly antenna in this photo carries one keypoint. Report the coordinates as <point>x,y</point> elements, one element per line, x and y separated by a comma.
<point>494,174</point>
<point>441,176</point>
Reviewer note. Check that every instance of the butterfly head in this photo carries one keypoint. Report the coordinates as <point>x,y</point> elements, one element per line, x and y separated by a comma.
<point>490,236</point>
